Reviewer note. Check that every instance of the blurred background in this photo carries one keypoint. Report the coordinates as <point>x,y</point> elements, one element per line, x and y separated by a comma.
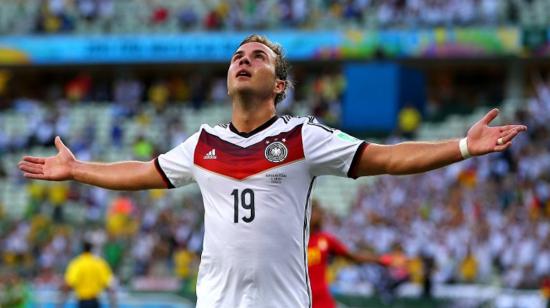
<point>131,79</point>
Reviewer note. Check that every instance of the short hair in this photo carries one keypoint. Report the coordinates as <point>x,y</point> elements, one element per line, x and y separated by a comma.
<point>282,67</point>
<point>87,246</point>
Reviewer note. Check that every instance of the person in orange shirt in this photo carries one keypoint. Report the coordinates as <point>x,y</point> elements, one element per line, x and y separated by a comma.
<point>88,275</point>
<point>321,246</point>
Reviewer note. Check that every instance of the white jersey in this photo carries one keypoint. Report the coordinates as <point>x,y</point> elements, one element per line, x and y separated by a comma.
<point>256,190</point>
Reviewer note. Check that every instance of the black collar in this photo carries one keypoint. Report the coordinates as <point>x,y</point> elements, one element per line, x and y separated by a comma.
<point>256,130</point>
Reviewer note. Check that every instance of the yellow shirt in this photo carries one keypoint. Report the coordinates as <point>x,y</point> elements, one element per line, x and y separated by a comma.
<point>409,119</point>
<point>468,269</point>
<point>183,260</point>
<point>88,275</point>
<point>58,194</point>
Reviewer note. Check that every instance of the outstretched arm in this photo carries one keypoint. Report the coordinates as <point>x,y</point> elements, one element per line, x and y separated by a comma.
<point>415,157</point>
<point>128,175</point>
<point>359,258</point>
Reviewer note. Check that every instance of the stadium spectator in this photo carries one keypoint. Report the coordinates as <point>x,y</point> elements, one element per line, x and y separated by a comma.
<point>187,18</point>
<point>160,15</point>
<point>184,266</point>
<point>87,9</point>
<point>143,148</point>
<point>409,120</point>
<point>159,95</point>
<point>325,94</point>
<point>114,252</point>
<point>180,89</point>
<point>58,195</point>
<point>14,292</point>
<point>428,264</point>
<point>117,132</point>
<point>53,17</point>
<point>468,268</point>
<point>212,20</point>
<point>218,92</point>
<point>127,94</point>
<point>395,273</point>
<point>78,89</point>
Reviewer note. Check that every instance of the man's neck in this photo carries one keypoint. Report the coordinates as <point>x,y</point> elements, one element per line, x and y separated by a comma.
<point>248,116</point>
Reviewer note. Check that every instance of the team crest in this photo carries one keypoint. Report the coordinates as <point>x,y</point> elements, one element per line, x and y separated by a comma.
<point>276,152</point>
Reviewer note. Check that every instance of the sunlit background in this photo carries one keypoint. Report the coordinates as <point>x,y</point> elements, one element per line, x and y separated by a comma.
<point>131,79</point>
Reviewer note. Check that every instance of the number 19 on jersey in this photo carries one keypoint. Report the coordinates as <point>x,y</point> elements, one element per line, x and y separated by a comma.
<point>246,198</point>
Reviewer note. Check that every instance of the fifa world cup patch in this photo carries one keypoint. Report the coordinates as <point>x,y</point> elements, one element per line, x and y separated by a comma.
<point>345,137</point>
<point>276,152</point>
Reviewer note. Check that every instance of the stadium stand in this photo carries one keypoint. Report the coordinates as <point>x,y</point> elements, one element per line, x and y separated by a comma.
<point>118,16</point>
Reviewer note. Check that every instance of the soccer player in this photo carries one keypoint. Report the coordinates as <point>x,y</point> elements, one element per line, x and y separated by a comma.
<point>256,174</point>
<point>321,246</point>
<point>88,276</point>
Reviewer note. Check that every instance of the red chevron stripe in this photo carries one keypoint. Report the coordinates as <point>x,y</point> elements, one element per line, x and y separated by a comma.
<point>240,163</point>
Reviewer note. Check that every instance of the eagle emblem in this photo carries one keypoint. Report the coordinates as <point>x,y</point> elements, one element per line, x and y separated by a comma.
<point>276,152</point>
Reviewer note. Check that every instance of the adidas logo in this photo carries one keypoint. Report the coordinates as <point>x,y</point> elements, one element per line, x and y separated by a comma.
<point>211,154</point>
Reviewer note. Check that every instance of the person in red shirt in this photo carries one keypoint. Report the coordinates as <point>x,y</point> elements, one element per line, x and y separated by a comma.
<point>545,290</point>
<point>321,246</point>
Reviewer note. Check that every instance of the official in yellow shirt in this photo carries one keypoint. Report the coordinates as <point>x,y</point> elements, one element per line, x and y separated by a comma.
<point>88,275</point>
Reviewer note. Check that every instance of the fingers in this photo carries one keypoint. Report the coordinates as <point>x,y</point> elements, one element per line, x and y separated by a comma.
<point>32,159</point>
<point>31,168</point>
<point>507,128</point>
<point>505,146</point>
<point>59,145</point>
<point>512,132</point>
<point>508,137</point>
<point>490,116</point>
<point>35,176</point>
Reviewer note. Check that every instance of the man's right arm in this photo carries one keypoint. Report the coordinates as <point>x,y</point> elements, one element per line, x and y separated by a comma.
<point>128,175</point>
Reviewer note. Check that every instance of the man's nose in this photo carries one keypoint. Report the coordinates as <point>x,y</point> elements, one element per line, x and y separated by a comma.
<point>244,60</point>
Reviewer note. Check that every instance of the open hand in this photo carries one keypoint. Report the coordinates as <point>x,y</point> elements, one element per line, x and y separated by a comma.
<point>53,168</point>
<point>483,139</point>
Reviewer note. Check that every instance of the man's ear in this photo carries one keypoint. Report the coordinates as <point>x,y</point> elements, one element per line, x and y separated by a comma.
<point>280,86</point>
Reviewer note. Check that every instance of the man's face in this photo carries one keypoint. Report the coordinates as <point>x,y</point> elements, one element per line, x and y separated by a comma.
<point>252,71</point>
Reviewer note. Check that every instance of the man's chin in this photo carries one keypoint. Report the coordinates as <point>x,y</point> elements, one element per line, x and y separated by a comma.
<point>248,93</point>
<point>243,91</point>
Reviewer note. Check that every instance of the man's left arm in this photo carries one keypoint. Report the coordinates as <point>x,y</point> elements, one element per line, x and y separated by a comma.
<point>415,157</point>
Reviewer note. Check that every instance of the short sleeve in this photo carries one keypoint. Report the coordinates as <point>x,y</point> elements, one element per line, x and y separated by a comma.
<point>176,166</point>
<point>331,151</point>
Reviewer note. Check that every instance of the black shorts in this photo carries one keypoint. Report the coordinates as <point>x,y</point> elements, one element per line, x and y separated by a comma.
<point>88,303</point>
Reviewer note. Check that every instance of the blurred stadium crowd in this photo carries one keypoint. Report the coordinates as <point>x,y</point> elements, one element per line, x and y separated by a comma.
<point>485,220</point>
<point>119,16</point>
